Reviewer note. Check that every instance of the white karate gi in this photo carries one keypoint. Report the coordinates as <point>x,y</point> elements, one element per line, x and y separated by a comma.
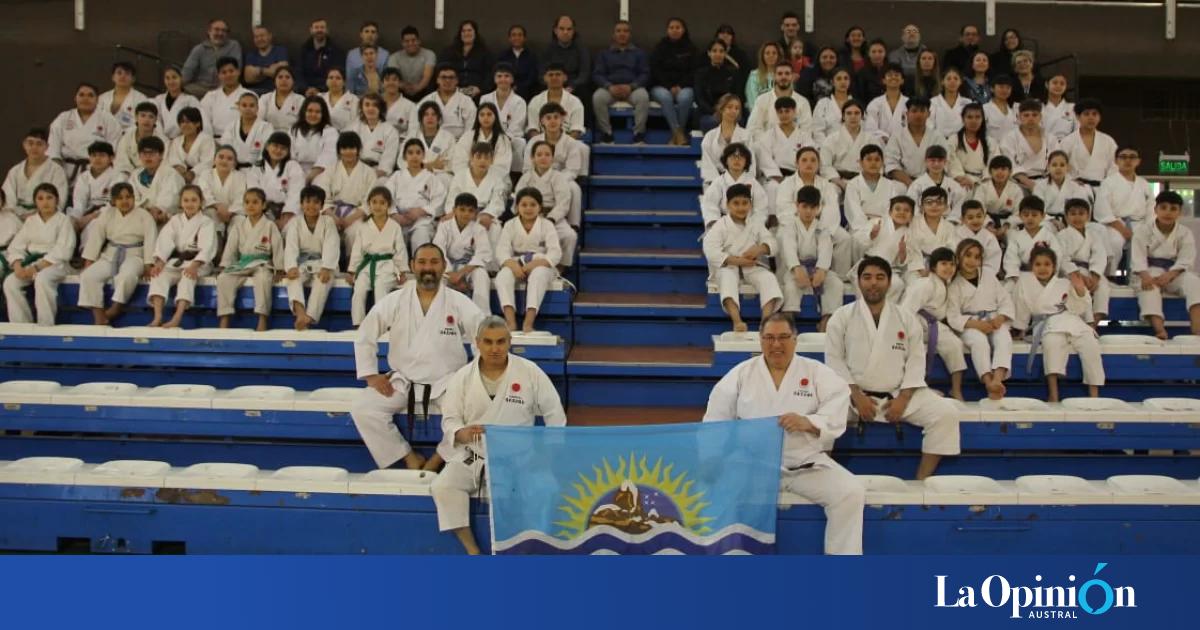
<point>763,115</point>
<point>220,111</point>
<point>490,192</point>
<point>1059,120</point>
<point>728,238</point>
<point>926,239</point>
<point>882,121</point>
<point>10,224</point>
<point>777,149</point>
<point>827,119</point>
<point>502,157</point>
<point>402,114</point>
<point>522,393</point>
<point>993,255</point>
<point>1157,253</point>
<point>1000,205</point>
<point>946,119</point>
<point>381,145</point>
<point>92,191</point>
<point>817,393</point>
<point>571,157</point>
<point>230,192</point>
<point>252,252</point>
<point>163,191</point>
<point>377,260</point>
<point>883,359</point>
<point>713,145</point>
<point>280,117</point>
<point>458,113</point>
<point>1025,160</point>
<point>344,112</point>
<point>117,244</point>
<point>1087,253</point>
<point>713,205</point>
<point>1021,245</point>
<point>425,348</point>
<point>282,186</point>
<point>983,299</point>
<point>126,114</point>
<point>168,117</point>
<point>809,246</point>
<point>1055,196</point>
<point>904,153</point>
<point>1063,328</point>
<point>249,147</point>
<point>469,247</point>
<point>182,241</point>
<point>829,215</point>
<point>886,245</point>
<point>70,137</point>
<point>955,194</point>
<point>999,123</point>
<point>441,145</point>
<point>573,121</point>
<point>1119,199</point>
<point>970,161</point>
<point>18,189</point>
<point>1094,165</point>
<point>197,158</point>
<point>126,157</point>
<point>54,239</point>
<point>927,299</point>
<point>840,152</point>
<point>346,191</point>
<point>315,150</point>
<point>523,246</point>
<point>310,250</point>
<point>557,201</point>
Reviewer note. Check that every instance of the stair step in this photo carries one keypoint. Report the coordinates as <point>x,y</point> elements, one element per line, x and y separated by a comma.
<point>648,181</point>
<point>646,150</point>
<point>621,217</point>
<point>687,258</point>
<point>640,356</point>
<point>631,416</point>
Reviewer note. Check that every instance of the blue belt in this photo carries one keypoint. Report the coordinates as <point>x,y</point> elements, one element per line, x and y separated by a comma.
<point>307,257</point>
<point>810,267</point>
<point>1039,329</point>
<point>931,339</point>
<point>1161,263</point>
<point>119,257</point>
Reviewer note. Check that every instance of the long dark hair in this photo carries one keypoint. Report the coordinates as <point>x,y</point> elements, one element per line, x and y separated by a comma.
<point>497,130</point>
<point>962,131</point>
<point>301,125</point>
<point>479,44</point>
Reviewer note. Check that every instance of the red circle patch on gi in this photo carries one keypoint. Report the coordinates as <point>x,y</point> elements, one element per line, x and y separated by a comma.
<point>449,319</point>
<point>257,145</point>
<point>379,142</point>
<point>516,387</point>
<point>900,335</point>
<point>283,182</point>
<point>1064,296</point>
<point>803,382</point>
<point>266,239</point>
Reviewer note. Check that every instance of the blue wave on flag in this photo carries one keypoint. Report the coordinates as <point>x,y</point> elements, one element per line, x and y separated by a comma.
<point>703,488</point>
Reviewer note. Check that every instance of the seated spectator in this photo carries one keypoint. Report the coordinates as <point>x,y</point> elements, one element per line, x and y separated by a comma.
<point>713,80</point>
<point>74,130</point>
<point>172,101</point>
<point>621,74</point>
<point>317,56</point>
<point>522,61</point>
<point>26,176</point>
<point>414,63</point>
<point>341,103</point>
<point>853,55</point>
<point>367,79</point>
<point>1058,115</point>
<point>904,156</point>
<point>470,56</point>
<point>977,85</point>
<point>569,53</point>
<point>281,107</point>
<point>556,79</point>
<point>868,82</point>
<point>368,35</point>
<point>672,69</point>
<point>263,61</point>
<point>401,112</point>
<point>200,69</point>
<point>800,61</point>
<point>909,51</point>
<point>1026,82</point>
<point>726,132</point>
<point>762,79</point>
<point>219,106</point>
<point>927,82</point>
<point>735,54</point>
<point>945,109</point>
<point>1002,60</point>
<point>816,82</point>
<point>1089,165</point>
<point>457,109</point>
<point>961,55</point>
<point>763,116</point>
<point>122,100</point>
<point>513,111</point>
<point>885,113</point>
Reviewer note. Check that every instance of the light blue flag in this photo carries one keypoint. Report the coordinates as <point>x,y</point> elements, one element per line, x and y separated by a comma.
<point>701,488</point>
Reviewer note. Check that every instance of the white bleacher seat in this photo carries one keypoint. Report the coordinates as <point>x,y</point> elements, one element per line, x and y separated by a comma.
<point>1110,342</point>
<point>1185,340</point>
<point>144,332</point>
<point>1017,409</point>
<point>1102,410</point>
<point>96,394</point>
<point>1173,404</point>
<point>967,490</point>
<point>330,399</point>
<point>304,479</point>
<point>59,470</point>
<point>535,338</point>
<point>218,333</point>
<point>180,395</point>
<point>886,489</point>
<point>1049,489</point>
<point>256,397</point>
<point>213,476</point>
<point>392,482</point>
<point>64,330</point>
<point>124,472</point>
<point>1153,490</point>
<point>28,392</point>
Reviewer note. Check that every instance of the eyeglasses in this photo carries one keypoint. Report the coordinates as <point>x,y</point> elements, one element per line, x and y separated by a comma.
<point>769,339</point>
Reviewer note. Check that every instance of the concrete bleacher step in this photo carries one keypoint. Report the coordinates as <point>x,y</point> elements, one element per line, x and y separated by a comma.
<point>644,159</point>
<point>632,192</point>
<point>633,270</point>
<point>652,319</point>
<point>648,229</point>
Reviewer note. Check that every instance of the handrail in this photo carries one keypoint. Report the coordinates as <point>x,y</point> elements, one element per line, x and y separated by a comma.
<point>1171,181</point>
<point>139,53</point>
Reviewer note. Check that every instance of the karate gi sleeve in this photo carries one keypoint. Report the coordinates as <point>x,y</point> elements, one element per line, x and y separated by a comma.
<point>835,344</point>
<point>722,401</point>
<point>834,396</point>
<point>95,241</point>
<point>549,405</point>
<point>914,358</point>
<point>64,244</point>
<point>376,324</point>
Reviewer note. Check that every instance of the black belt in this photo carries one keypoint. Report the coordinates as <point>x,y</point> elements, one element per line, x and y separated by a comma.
<point>412,406</point>
<point>800,467</point>
<point>185,256</point>
<point>787,172</point>
<point>884,395</point>
<point>372,164</point>
<point>847,175</point>
<point>1090,182</point>
<point>863,422</point>
<point>245,164</point>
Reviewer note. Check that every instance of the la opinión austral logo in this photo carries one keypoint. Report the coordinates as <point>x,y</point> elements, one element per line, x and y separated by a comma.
<point>1040,600</point>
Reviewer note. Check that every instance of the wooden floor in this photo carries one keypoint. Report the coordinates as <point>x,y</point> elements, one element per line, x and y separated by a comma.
<point>642,355</point>
<point>626,416</point>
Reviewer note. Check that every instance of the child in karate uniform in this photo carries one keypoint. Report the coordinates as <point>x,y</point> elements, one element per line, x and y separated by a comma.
<point>805,254</point>
<point>183,254</point>
<point>311,249</point>
<point>468,252</point>
<point>378,259</point>
<point>528,250</point>
<point>116,250</point>
<point>1163,255</point>
<point>1034,233</point>
<point>736,247</point>
<point>979,310</point>
<point>40,254</point>
<point>1085,253</point>
<point>928,297</point>
<point>254,252</point>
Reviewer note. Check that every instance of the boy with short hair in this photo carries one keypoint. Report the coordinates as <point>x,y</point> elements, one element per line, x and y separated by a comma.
<point>1123,202</point>
<point>999,114</point>
<point>37,168</point>
<point>1085,254</point>
<point>868,196</point>
<point>488,190</point>
<point>311,249</point>
<point>1029,145</point>
<point>468,251</point>
<point>1034,233</point>
<point>885,113</point>
<point>891,240</point>
<point>806,256</point>
<point>1163,256</point>
<point>145,125</point>
<point>156,186</point>
<point>905,154</point>
<point>93,186</point>
<point>1000,196</point>
<point>974,225</point>
<point>736,249</point>
<point>777,147</point>
<point>935,175</point>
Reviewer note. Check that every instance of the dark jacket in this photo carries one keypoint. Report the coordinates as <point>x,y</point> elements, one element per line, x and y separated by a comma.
<point>1037,89</point>
<point>525,69</point>
<point>620,67</point>
<point>574,57</point>
<point>474,70</point>
<point>927,86</point>
<point>713,82</point>
<point>315,63</point>
<point>815,83</point>
<point>1000,62</point>
<point>745,64</point>
<point>673,63</point>
<point>959,57</point>
<point>868,83</point>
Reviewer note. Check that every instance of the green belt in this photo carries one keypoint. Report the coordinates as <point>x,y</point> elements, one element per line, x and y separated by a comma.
<point>246,259</point>
<point>372,260</point>
<point>4,268</point>
<point>31,258</point>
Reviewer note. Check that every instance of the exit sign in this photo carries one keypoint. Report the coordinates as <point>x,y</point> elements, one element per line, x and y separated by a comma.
<point>1173,164</point>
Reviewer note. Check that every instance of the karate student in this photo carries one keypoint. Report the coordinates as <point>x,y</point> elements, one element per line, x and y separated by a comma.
<point>341,103</point>
<point>1058,115</point>
<point>556,93</point>
<point>401,113</point>
<point>248,134</point>
<point>528,250</point>
<point>890,239</point>
<point>313,139</point>
<point>419,195</point>
<point>714,203</point>
<point>935,175</point>
<point>378,259</point>
<point>93,187</point>
<point>468,251</point>
<point>842,149</point>
<point>1000,116</point>
<point>40,254</point>
<point>458,110</point>
<point>171,101</point>
<point>736,247</point>
<point>808,165</point>
<point>346,187</point>
<point>970,149</point>
<point>279,177</point>
<point>123,99</point>
<point>155,186</point>
<point>426,325</point>
<point>869,196</point>
<point>975,226</point>
<point>311,250</point>
<point>1034,233</point>
<point>828,113</point>
<point>146,126</point>
<point>437,142</point>
<point>885,113</point>
<point>878,348</point>
<point>36,169</point>
<point>930,228</point>
<point>281,107</point>
<point>979,310</point>
<point>927,297</point>
<point>380,140</point>
<point>191,152</point>
<point>1085,253</point>
<point>727,132</point>
<point>9,226</point>
<point>945,109</point>
<point>570,155</point>
<point>183,254</point>
<point>223,186</point>
<point>557,196</point>
<point>1051,311</point>
<point>763,114</point>
<point>805,259</point>
<point>116,250</point>
<point>1091,151</point>
<point>1057,187</point>
<point>220,106</point>
<point>907,146</point>
<point>1123,202</point>
<point>1000,196</point>
<point>254,252</point>
<point>777,146</point>
<point>812,402</point>
<point>514,111</point>
<point>74,130</point>
<point>497,388</point>
<point>487,188</point>
<point>488,131</point>
<point>1029,146</point>
<point>1164,256</point>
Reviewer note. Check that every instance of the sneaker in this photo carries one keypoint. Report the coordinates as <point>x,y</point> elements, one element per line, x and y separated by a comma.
<point>639,138</point>
<point>606,138</point>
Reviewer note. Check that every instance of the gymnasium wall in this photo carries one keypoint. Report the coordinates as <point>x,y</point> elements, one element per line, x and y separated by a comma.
<point>1122,54</point>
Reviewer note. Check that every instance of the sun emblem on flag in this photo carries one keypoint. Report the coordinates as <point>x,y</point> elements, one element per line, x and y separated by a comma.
<point>634,498</point>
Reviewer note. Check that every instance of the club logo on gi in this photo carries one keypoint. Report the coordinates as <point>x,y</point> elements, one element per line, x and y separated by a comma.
<point>257,144</point>
<point>516,387</point>
<point>803,382</point>
<point>514,395</point>
<point>449,320</point>
<point>899,345</point>
<point>379,143</point>
<point>1094,597</point>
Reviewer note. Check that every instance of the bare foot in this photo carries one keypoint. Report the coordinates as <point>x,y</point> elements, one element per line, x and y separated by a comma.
<point>530,318</point>
<point>740,326</point>
<point>223,322</point>
<point>303,322</point>
<point>414,460</point>
<point>1161,333</point>
<point>262,323</point>
<point>155,323</point>
<point>434,463</point>
<point>114,312</point>
<point>174,322</point>
<point>511,322</point>
<point>996,390</point>
<point>957,394</point>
